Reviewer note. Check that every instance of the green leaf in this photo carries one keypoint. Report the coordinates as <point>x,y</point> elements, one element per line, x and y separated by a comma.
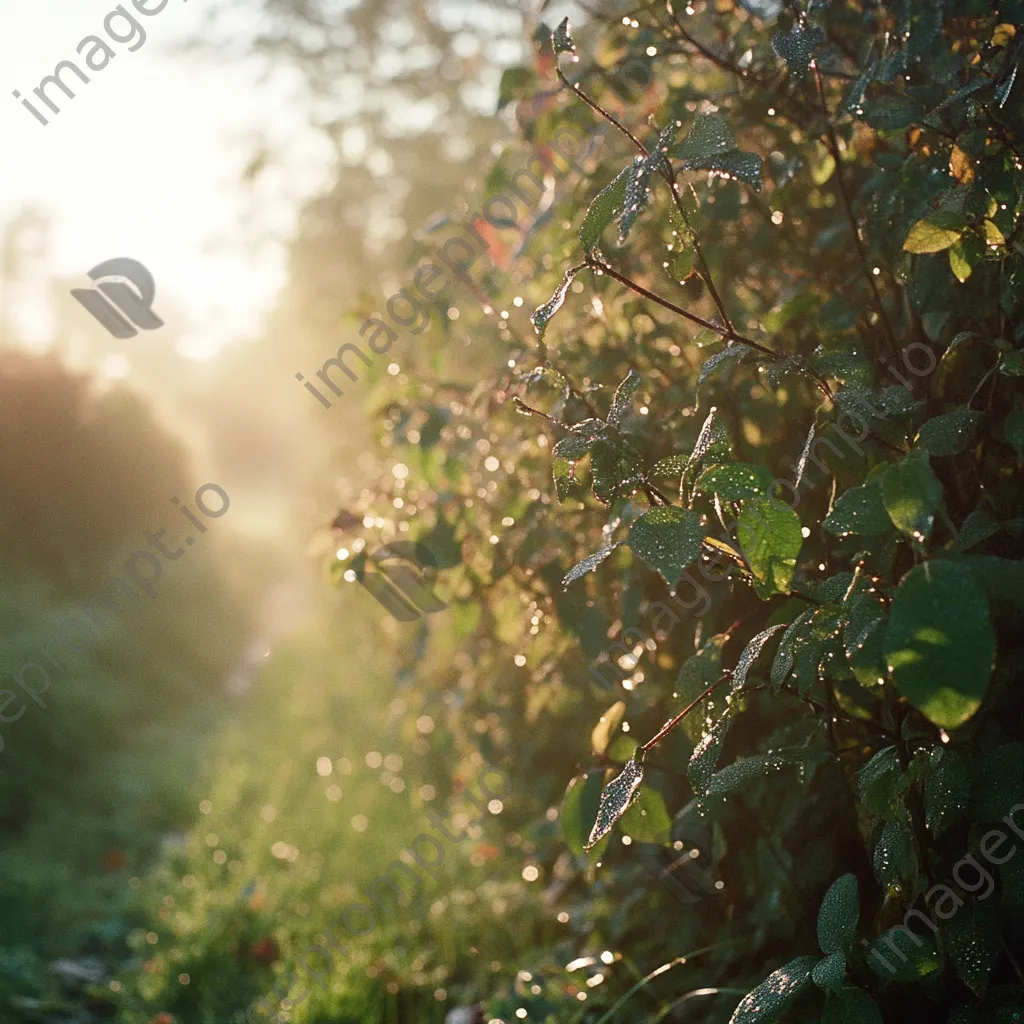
<point>939,643</point>
<point>838,915</point>
<point>696,675</point>
<point>926,236</point>
<point>830,972</point>
<point>561,40</point>
<point>948,434</point>
<point>894,858</point>
<point>607,205</point>
<point>735,350</point>
<point>646,820</point>
<point>749,656</point>
<point>668,539</point>
<point>542,315</point>
<point>797,48</point>
<point>742,166</point>
<point>851,1006</point>
<point>881,782</point>
<point>859,510</point>
<point>734,482</point>
<point>616,797</point>
<point>764,1004</point>
<point>589,564</point>
<point>579,809</point>
<point>770,538</point>
<point>709,135</point>
<point>623,397</point>
<point>564,475</point>
<point>747,769</point>
<point>705,756</point>
<point>972,936</point>
<point>903,954</point>
<point>947,790</point>
<point>891,113</point>
<point>911,494</point>
<point>639,174</point>
<point>615,468</point>
<point>609,722</point>
<point>573,447</point>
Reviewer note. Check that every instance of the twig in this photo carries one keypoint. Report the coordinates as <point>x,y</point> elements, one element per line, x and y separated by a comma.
<point>833,142</point>
<point>669,726</point>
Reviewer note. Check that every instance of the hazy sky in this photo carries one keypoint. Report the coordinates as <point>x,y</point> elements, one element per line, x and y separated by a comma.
<point>146,161</point>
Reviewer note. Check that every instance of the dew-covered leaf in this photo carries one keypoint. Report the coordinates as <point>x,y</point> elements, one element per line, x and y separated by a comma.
<point>736,350</point>
<point>770,538</point>
<point>616,797</point>
<point>797,48</point>
<point>706,753</point>
<point>668,539</point>
<point>940,644</point>
<point>859,510</point>
<point>589,564</point>
<point>572,447</point>
<point>736,164</point>
<point>709,135</point>
<point>561,40</point>
<point>830,971</point>
<point>973,938</point>
<point>747,769</point>
<point>838,915</point>
<point>607,205</point>
<point>735,481</point>
<point>911,494</point>
<point>623,397</point>
<point>881,782</point>
<point>564,475</point>
<point>894,859</point>
<point>749,656</point>
<point>948,434</point>
<point>892,113</point>
<point>615,468</point>
<point>541,316</point>
<point>764,1004</point>
<point>947,790</point>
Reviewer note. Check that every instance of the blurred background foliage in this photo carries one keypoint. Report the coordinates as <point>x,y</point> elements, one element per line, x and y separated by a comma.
<point>214,784</point>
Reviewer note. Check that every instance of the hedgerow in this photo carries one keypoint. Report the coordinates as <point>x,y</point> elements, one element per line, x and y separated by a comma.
<point>777,354</point>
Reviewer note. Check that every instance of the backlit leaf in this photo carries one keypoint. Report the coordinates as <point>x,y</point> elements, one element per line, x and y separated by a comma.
<point>668,539</point>
<point>939,643</point>
<point>926,237</point>
<point>542,315</point>
<point>607,205</point>
<point>797,48</point>
<point>911,494</point>
<point>770,538</point>
<point>616,797</point>
<point>764,1004</point>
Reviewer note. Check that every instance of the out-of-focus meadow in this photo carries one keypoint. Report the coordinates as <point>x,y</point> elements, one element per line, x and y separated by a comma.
<point>221,770</point>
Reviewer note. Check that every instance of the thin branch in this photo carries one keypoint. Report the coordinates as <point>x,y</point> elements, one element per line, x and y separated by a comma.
<point>833,142</point>
<point>669,726</point>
